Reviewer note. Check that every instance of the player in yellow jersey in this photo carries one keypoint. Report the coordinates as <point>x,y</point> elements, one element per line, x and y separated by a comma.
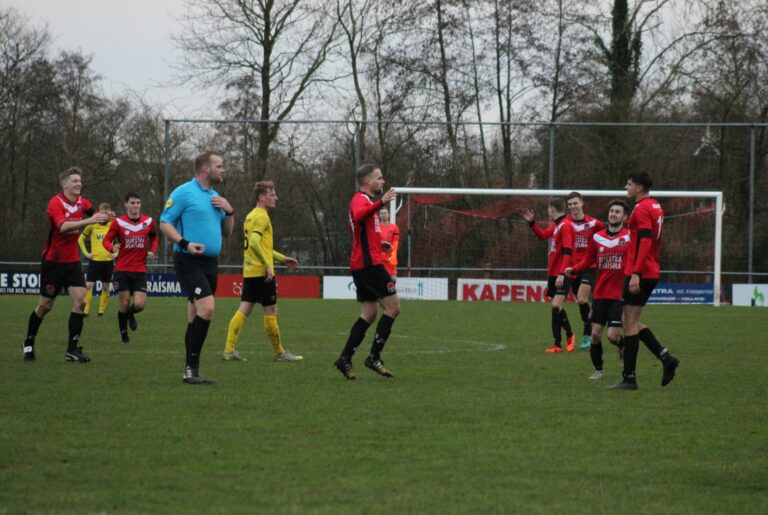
<point>100,261</point>
<point>259,276</point>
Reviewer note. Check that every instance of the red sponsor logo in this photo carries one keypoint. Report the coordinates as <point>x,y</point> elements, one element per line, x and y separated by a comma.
<point>290,286</point>
<point>505,291</point>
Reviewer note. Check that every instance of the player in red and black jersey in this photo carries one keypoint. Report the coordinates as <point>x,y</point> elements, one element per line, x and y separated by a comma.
<point>373,283</point>
<point>607,253</point>
<point>641,275</point>
<point>561,238</point>
<point>584,227</point>
<point>68,213</point>
<point>136,236</point>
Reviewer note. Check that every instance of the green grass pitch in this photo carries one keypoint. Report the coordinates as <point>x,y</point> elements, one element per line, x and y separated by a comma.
<point>478,418</point>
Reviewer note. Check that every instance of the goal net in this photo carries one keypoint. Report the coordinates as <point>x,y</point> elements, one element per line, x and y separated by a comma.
<point>480,248</point>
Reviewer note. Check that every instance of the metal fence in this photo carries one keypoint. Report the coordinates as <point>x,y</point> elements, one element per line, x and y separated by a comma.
<point>728,157</point>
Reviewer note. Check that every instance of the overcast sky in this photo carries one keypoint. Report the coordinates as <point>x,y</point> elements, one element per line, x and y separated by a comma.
<point>130,41</point>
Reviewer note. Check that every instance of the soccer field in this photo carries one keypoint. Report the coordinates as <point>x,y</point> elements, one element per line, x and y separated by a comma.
<point>477,419</point>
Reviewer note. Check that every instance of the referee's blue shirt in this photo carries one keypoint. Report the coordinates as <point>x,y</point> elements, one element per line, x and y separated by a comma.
<point>190,211</point>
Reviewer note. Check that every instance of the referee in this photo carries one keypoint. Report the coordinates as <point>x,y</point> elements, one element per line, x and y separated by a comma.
<point>195,218</point>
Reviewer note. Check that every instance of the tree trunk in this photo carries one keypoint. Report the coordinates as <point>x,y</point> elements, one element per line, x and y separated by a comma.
<point>456,178</point>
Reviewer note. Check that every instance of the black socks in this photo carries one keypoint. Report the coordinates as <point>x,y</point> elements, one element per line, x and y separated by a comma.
<point>197,331</point>
<point>584,310</point>
<point>596,354</point>
<point>383,330</point>
<point>556,327</point>
<point>356,336</point>
<point>32,327</point>
<point>75,329</point>
<point>650,341</point>
<point>560,321</point>
<point>631,346</point>
<point>122,323</point>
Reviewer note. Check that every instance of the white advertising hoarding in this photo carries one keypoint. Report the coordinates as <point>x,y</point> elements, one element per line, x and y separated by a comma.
<point>413,288</point>
<point>750,295</point>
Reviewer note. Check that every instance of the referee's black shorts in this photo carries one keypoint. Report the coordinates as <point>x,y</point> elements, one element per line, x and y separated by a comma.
<point>373,283</point>
<point>640,298</point>
<point>257,290</point>
<point>55,277</point>
<point>197,275</point>
<point>99,271</point>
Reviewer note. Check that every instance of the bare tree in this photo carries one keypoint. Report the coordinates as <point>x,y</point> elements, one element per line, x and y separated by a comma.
<point>477,88</point>
<point>353,19</point>
<point>283,43</point>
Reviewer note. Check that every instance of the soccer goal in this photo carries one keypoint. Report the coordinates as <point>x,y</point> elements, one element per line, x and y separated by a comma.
<point>479,233</point>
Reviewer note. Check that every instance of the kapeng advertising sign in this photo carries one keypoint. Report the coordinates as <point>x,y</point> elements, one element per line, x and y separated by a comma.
<point>475,290</point>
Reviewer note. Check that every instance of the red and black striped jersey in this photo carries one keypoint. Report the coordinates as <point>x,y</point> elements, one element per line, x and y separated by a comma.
<point>62,248</point>
<point>608,252</point>
<point>645,225</point>
<point>560,245</point>
<point>583,230</point>
<point>366,233</point>
<point>136,239</point>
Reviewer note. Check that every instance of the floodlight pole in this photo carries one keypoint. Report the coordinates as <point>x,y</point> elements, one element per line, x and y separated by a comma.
<point>166,173</point>
<point>751,220</point>
<point>716,284</point>
<point>358,158</point>
<point>551,182</point>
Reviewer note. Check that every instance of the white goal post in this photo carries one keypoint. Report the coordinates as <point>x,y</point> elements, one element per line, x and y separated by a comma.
<point>716,195</point>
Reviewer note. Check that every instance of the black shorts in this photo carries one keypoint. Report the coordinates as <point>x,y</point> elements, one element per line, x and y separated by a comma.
<point>373,283</point>
<point>55,277</point>
<point>606,312</point>
<point>257,291</point>
<point>130,281</point>
<point>586,277</point>
<point>197,275</point>
<point>552,291</point>
<point>641,298</point>
<point>99,271</point>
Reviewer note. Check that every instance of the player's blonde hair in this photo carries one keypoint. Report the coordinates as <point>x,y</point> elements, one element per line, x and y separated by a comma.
<point>262,188</point>
<point>72,170</point>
